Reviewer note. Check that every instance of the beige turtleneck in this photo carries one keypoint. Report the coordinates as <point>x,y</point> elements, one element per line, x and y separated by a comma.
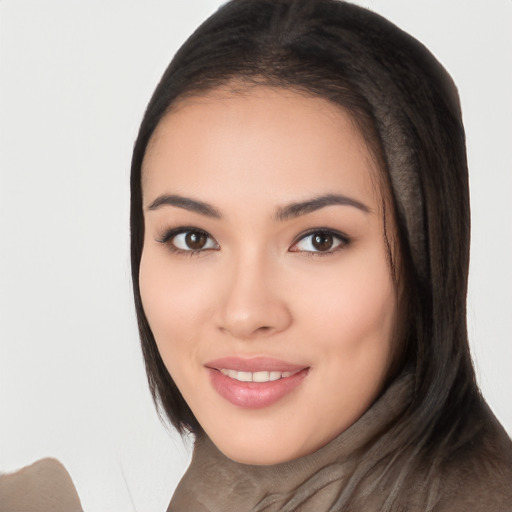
<point>317,482</point>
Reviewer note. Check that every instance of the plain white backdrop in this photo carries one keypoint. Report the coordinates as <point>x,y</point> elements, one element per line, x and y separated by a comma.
<point>75,77</point>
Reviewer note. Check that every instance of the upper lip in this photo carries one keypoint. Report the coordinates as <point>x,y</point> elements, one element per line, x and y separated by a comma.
<point>254,364</point>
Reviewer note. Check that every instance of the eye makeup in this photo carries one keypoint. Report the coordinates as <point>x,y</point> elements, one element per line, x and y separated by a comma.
<point>192,240</point>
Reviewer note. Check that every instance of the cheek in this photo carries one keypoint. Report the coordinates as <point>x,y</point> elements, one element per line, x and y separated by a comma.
<point>176,305</point>
<point>353,309</point>
<point>351,328</point>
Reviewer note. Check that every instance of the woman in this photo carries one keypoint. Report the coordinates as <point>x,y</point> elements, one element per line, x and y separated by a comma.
<point>300,245</point>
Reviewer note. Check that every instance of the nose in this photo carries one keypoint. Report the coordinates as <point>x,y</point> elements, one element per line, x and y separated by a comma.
<point>253,303</point>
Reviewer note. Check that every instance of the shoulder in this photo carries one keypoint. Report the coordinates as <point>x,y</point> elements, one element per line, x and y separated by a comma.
<point>44,485</point>
<point>478,477</point>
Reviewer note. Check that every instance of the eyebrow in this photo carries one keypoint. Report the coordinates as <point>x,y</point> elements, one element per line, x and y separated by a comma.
<point>192,205</point>
<point>284,213</point>
<point>302,208</point>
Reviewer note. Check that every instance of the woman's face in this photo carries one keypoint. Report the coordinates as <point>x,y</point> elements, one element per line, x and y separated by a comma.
<point>264,274</point>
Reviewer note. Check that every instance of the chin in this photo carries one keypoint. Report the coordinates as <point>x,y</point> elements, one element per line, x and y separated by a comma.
<point>264,452</point>
<point>259,457</point>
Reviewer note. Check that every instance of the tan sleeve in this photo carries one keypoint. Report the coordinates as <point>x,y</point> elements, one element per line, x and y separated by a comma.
<point>44,486</point>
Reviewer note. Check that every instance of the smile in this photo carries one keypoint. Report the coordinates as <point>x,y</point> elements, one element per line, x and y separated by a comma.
<point>255,383</point>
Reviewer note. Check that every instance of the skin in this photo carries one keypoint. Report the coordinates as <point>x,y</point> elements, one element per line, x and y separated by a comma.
<point>259,287</point>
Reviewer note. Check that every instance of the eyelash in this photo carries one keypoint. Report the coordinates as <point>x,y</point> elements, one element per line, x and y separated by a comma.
<point>169,235</point>
<point>167,239</point>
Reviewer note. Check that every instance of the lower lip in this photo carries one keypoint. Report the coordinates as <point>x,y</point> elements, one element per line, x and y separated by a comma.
<point>255,395</point>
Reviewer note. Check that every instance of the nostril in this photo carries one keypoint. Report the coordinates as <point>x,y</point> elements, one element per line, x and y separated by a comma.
<point>264,328</point>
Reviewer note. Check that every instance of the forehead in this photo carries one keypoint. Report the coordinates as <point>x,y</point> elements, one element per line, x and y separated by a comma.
<point>257,141</point>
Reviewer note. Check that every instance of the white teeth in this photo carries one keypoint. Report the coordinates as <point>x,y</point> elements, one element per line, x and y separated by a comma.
<point>230,373</point>
<point>244,376</point>
<point>262,376</point>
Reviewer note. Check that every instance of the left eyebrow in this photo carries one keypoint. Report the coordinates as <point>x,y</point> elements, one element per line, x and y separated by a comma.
<point>302,208</point>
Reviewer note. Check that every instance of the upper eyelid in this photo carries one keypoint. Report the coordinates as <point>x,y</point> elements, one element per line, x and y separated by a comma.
<point>172,232</point>
<point>313,231</point>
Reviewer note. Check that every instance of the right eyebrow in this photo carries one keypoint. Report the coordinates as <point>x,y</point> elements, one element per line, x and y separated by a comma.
<point>192,205</point>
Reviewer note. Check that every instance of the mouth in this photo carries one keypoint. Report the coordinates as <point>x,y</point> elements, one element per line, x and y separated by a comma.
<point>255,383</point>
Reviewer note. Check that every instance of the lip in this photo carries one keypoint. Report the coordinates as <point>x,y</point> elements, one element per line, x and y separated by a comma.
<point>254,364</point>
<point>254,395</point>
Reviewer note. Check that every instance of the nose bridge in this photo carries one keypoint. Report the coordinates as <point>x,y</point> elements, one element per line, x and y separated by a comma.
<point>252,304</point>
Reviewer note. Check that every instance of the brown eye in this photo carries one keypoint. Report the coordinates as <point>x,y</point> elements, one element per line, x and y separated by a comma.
<point>320,242</point>
<point>195,240</point>
<point>189,240</point>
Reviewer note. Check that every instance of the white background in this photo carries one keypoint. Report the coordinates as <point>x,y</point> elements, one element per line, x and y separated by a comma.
<point>75,77</point>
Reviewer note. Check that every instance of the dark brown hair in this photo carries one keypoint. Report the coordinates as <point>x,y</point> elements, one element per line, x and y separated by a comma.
<point>406,107</point>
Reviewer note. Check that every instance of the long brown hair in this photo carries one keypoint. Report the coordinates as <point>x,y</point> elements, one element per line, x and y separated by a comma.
<point>406,107</point>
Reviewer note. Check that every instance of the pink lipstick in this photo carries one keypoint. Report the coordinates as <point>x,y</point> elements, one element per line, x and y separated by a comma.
<point>254,383</point>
